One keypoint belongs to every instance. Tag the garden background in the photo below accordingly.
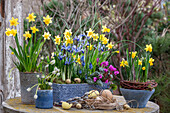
(127, 19)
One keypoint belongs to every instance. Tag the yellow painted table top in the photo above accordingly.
(15, 105)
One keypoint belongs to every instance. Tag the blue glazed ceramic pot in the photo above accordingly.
(141, 97)
(63, 92)
(45, 99)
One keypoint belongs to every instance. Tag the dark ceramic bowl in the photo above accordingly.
(139, 97)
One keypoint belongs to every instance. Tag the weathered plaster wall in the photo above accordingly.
(10, 86)
(17, 9)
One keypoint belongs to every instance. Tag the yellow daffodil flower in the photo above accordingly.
(116, 51)
(140, 62)
(69, 41)
(95, 37)
(8, 32)
(123, 63)
(105, 29)
(57, 39)
(14, 32)
(47, 20)
(34, 29)
(105, 41)
(90, 47)
(78, 60)
(134, 54)
(102, 36)
(13, 21)
(110, 46)
(12, 53)
(27, 35)
(46, 36)
(151, 60)
(90, 33)
(67, 33)
(143, 68)
(31, 17)
(148, 48)
(74, 56)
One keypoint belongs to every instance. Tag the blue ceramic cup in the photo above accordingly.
(45, 99)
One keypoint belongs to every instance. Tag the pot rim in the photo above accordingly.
(45, 90)
(138, 90)
(70, 84)
(78, 84)
(31, 72)
(136, 82)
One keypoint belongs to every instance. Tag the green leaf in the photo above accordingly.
(99, 82)
(90, 81)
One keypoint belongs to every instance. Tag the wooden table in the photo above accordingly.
(14, 105)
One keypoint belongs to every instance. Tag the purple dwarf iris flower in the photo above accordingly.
(94, 79)
(100, 76)
(101, 47)
(112, 68)
(87, 44)
(88, 37)
(97, 60)
(76, 38)
(67, 48)
(77, 50)
(104, 64)
(116, 72)
(82, 50)
(80, 36)
(67, 61)
(90, 66)
(74, 47)
(80, 71)
(107, 81)
(83, 64)
(106, 70)
(82, 58)
(60, 56)
(95, 46)
(86, 76)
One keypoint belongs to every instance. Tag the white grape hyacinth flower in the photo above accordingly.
(46, 66)
(43, 76)
(42, 58)
(54, 72)
(35, 96)
(55, 69)
(52, 62)
(38, 76)
(58, 74)
(29, 89)
(50, 83)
